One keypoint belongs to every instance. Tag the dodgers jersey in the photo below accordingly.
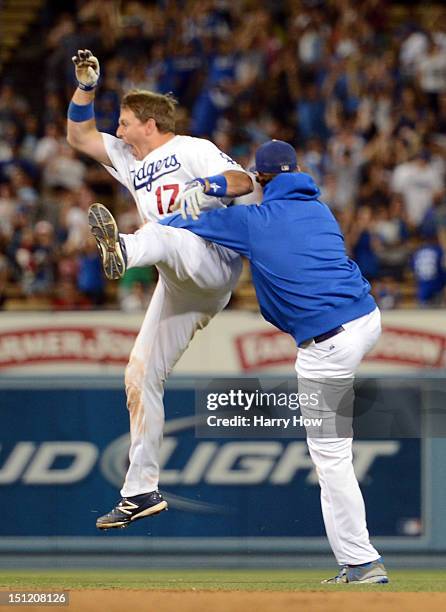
(155, 181)
(305, 283)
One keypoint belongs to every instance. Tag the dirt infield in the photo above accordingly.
(220, 601)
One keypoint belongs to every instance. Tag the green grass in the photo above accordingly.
(222, 580)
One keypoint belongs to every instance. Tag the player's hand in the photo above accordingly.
(189, 201)
(87, 69)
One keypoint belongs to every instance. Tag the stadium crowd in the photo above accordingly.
(358, 88)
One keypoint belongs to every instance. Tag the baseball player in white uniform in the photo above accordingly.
(195, 277)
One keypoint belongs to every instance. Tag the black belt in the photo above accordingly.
(326, 336)
(329, 334)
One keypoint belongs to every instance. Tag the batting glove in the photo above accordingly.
(87, 69)
(189, 201)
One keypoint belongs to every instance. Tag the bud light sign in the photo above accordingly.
(64, 455)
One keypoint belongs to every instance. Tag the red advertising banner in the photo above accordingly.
(233, 343)
(100, 345)
(397, 345)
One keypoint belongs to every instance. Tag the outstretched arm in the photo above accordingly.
(231, 183)
(237, 183)
(82, 133)
(226, 226)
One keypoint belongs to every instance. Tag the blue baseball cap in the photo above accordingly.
(274, 157)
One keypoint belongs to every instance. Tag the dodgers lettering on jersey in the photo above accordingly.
(156, 180)
(152, 171)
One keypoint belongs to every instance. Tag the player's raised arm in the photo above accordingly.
(82, 133)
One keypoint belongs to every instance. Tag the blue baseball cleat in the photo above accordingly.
(132, 509)
(366, 573)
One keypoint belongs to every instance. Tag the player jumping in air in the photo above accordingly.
(158, 167)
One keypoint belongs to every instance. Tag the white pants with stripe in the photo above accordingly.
(195, 283)
(325, 365)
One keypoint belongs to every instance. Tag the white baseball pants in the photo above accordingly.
(331, 365)
(195, 282)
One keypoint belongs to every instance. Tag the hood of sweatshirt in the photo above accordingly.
(291, 186)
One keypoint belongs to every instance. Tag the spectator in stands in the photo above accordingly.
(44, 256)
(419, 182)
(374, 189)
(8, 206)
(363, 243)
(439, 123)
(48, 145)
(412, 50)
(22, 253)
(311, 112)
(65, 169)
(29, 143)
(90, 279)
(429, 272)
(12, 104)
(386, 292)
(24, 189)
(315, 160)
(346, 157)
(53, 110)
(410, 111)
(392, 235)
(432, 73)
(217, 93)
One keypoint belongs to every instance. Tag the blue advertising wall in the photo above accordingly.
(63, 457)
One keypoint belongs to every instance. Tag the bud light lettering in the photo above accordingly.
(150, 172)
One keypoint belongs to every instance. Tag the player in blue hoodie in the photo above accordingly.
(304, 281)
(308, 287)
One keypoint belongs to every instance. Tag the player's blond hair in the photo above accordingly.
(149, 105)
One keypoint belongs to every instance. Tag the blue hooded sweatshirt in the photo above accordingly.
(304, 281)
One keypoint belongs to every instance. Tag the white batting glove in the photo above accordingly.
(189, 201)
(87, 69)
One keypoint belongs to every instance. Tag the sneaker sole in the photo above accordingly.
(371, 580)
(104, 229)
(152, 511)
